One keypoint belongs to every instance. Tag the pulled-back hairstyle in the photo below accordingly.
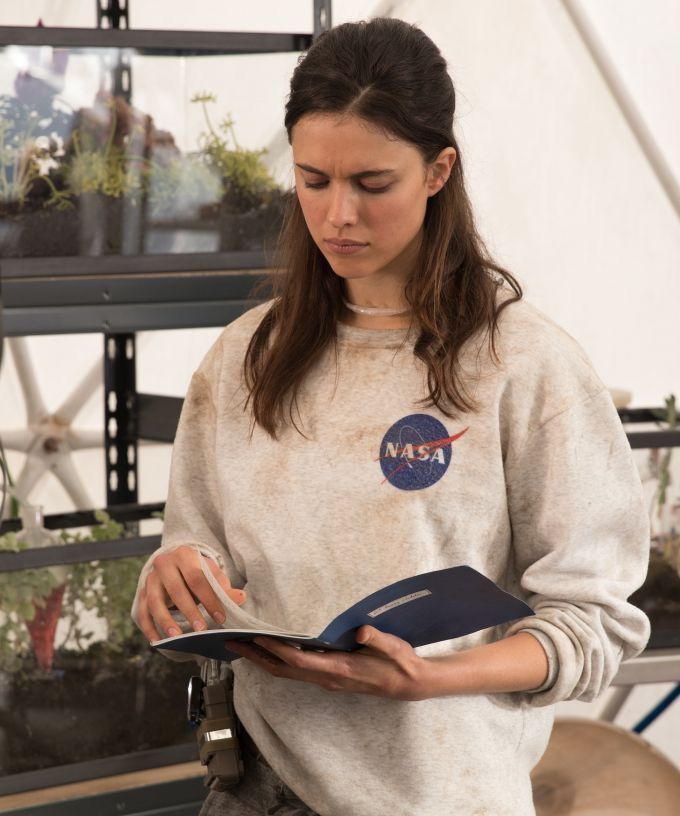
(392, 75)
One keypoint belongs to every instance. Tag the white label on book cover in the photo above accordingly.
(399, 601)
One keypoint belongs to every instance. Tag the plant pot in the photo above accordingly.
(109, 226)
(250, 231)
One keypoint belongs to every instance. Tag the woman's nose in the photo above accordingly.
(342, 209)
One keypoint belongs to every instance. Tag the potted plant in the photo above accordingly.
(31, 146)
(105, 181)
(102, 692)
(251, 202)
(101, 174)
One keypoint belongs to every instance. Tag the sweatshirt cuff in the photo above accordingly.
(550, 653)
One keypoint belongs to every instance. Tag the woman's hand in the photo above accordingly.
(387, 667)
(178, 580)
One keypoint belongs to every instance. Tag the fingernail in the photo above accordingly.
(199, 625)
(239, 595)
(220, 617)
(173, 630)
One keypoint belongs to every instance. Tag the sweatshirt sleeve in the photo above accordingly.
(193, 514)
(581, 545)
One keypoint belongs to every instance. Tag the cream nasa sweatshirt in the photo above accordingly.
(537, 490)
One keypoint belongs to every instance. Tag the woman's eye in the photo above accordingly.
(376, 189)
(319, 185)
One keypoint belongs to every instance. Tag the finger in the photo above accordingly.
(264, 659)
(381, 643)
(322, 664)
(286, 652)
(332, 671)
(145, 621)
(157, 604)
(256, 654)
(262, 656)
(199, 588)
(236, 595)
(188, 560)
(169, 580)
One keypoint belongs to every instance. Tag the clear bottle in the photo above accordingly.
(35, 535)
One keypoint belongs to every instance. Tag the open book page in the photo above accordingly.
(237, 617)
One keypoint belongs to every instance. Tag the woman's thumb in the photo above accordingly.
(238, 596)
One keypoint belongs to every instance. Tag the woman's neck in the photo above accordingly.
(363, 322)
(373, 308)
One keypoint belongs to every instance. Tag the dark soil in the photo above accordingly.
(659, 598)
(84, 710)
(247, 231)
(98, 225)
(46, 233)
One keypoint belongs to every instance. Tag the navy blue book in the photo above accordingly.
(423, 609)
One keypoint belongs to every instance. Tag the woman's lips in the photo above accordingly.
(344, 247)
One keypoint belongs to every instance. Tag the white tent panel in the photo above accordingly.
(563, 194)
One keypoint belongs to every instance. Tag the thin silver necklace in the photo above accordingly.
(372, 311)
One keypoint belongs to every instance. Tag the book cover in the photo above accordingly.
(424, 609)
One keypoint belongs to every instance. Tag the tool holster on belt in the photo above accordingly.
(211, 708)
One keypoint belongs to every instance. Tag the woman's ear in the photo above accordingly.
(439, 170)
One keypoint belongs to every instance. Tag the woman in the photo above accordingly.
(397, 408)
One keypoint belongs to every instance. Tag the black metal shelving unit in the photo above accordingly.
(127, 294)
(122, 294)
(118, 296)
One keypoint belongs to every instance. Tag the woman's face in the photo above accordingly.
(363, 195)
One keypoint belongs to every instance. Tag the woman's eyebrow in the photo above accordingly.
(362, 174)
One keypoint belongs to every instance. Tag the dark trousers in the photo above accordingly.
(259, 793)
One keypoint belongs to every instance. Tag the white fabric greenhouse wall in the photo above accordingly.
(565, 197)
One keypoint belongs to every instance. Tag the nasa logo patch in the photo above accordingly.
(416, 452)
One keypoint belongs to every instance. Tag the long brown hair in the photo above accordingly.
(392, 75)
